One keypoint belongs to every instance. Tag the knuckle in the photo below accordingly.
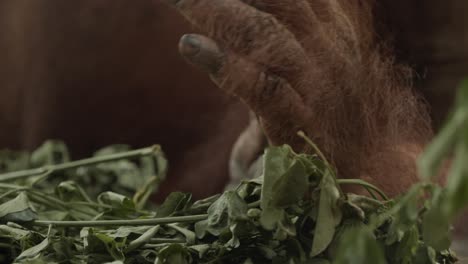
(272, 85)
(266, 87)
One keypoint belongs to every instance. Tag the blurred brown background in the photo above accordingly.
(101, 72)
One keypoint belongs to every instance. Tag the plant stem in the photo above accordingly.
(166, 240)
(78, 163)
(39, 198)
(5, 245)
(8, 193)
(254, 204)
(324, 159)
(365, 185)
(136, 222)
(12, 186)
(91, 204)
(154, 246)
(53, 202)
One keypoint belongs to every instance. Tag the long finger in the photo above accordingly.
(297, 15)
(280, 107)
(253, 34)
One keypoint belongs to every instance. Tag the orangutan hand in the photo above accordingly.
(312, 65)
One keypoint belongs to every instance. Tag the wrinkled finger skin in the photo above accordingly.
(263, 93)
(252, 33)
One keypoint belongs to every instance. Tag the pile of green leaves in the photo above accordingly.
(53, 210)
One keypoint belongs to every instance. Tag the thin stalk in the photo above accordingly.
(41, 199)
(49, 198)
(12, 186)
(254, 204)
(91, 204)
(8, 193)
(136, 222)
(54, 202)
(140, 241)
(365, 185)
(11, 176)
(166, 240)
(324, 159)
(154, 246)
(371, 192)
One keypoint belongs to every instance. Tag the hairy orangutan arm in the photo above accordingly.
(316, 66)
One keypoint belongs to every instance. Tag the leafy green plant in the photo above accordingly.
(53, 210)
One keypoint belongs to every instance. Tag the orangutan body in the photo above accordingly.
(320, 67)
(324, 73)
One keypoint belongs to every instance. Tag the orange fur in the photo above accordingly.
(337, 80)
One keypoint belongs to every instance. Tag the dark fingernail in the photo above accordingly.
(201, 51)
(189, 45)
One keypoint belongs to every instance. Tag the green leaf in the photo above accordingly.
(189, 235)
(175, 202)
(71, 191)
(127, 173)
(49, 153)
(155, 165)
(200, 249)
(358, 245)
(114, 247)
(174, 254)
(201, 228)
(403, 214)
(116, 200)
(92, 244)
(270, 217)
(125, 231)
(53, 215)
(227, 210)
(425, 255)
(436, 223)
(404, 249)
(291, 187)
(436, 230)
(201, 206)
(112, 149)
(329, 215)
(281, 173)
(63, 248)
(276, 163)
(15, 233)
(13, 160)
(34, 251)
(457, 183)
(432, 158)
(18, 210)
